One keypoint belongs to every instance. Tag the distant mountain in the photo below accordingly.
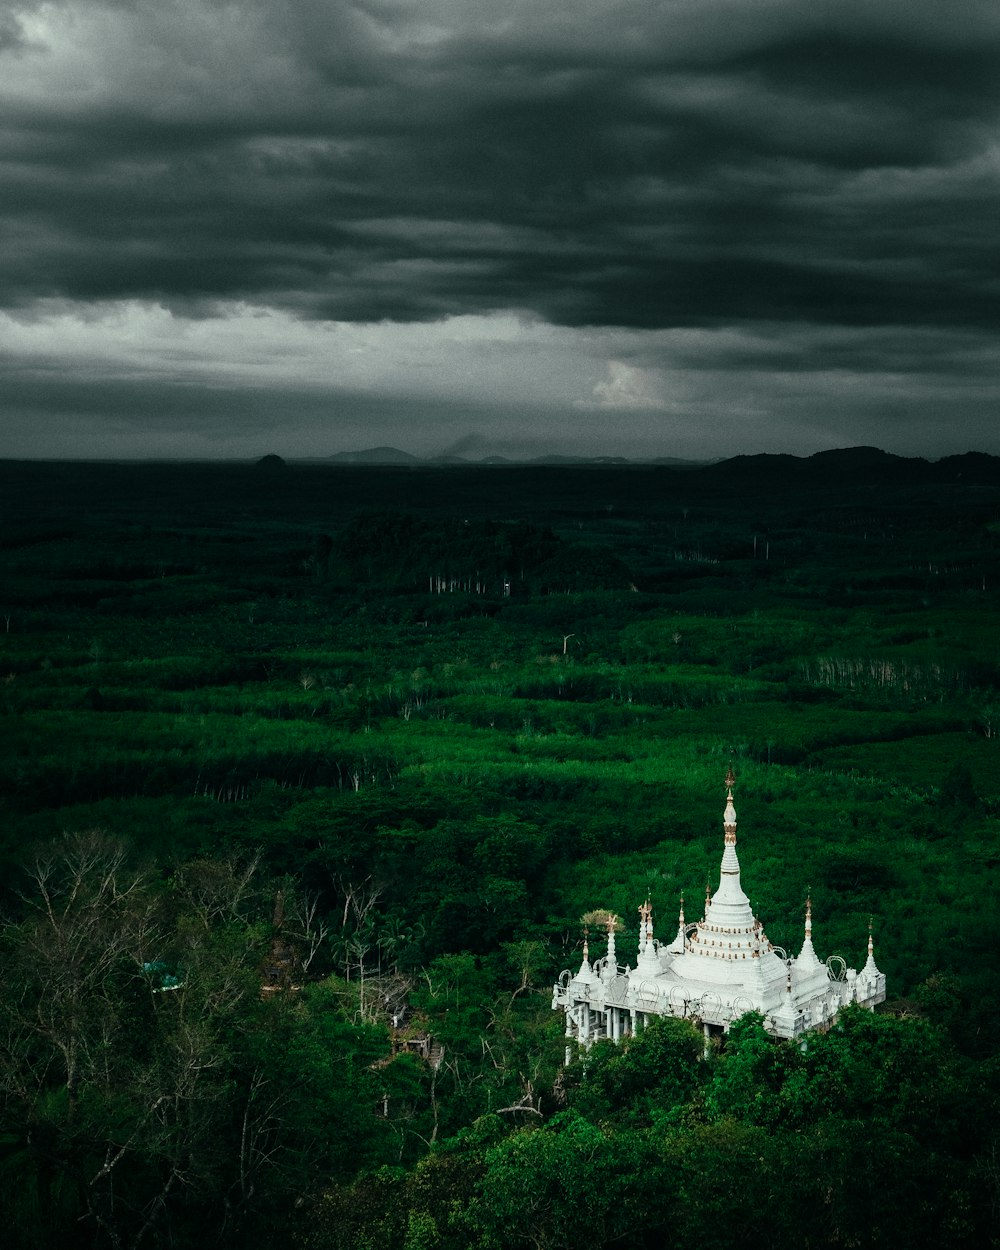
(971, 468)
(839, 466)
(856, 457)
(675, 462)
(849, 463)
(555, 459)
(375, 455)
(846, 466)
(762, 465)
(393, 455)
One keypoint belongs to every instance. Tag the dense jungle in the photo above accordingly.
(310, 773)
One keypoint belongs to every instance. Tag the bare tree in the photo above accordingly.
(111, 1067)
(87, 915)
(305, 925)
(220, 889)
(357, 936)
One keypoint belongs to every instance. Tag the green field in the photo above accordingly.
(446, 712)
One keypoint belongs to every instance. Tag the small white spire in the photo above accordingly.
(787, 1016)
(807, 957)
(870, 967)
(730, 906)
(729, 816)
(677, 946)
(586, 972)
(611, 963)
(730, 864)
(647, 963)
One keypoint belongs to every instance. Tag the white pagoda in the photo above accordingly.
(713, 971)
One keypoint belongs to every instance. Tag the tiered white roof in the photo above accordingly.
(715, 970)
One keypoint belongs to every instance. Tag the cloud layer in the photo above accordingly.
(779, 211)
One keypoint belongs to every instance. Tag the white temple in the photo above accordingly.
(713, 971)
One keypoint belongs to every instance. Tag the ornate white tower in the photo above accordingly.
(716, 970)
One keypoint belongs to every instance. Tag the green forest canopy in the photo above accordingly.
(444, 713)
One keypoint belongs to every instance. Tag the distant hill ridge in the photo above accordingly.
(375, 455)
(860, 464)
(849, 464)
(395, 455)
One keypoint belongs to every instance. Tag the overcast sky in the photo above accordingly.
(691, 228)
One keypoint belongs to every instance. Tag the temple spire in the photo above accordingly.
(870, 967)
(786, 1013)
(729, 819)
(677, 945)
(807, 956)
(730, 907)
(647, 963)
(730, 864)
(586, 972)
(611, 963)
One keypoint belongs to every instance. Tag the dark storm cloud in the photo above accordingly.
(619, 164)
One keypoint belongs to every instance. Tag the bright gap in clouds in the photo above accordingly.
(136, 379)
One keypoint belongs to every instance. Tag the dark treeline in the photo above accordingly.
(308, 777)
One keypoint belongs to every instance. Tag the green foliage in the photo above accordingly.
(140, 1106)
(567, 1183)
(644, 1079)
(322, 676)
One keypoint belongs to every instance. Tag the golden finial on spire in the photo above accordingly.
(729, 818)
(809, 913)
(871, 945)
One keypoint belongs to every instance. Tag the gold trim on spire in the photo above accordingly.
(729, 817)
